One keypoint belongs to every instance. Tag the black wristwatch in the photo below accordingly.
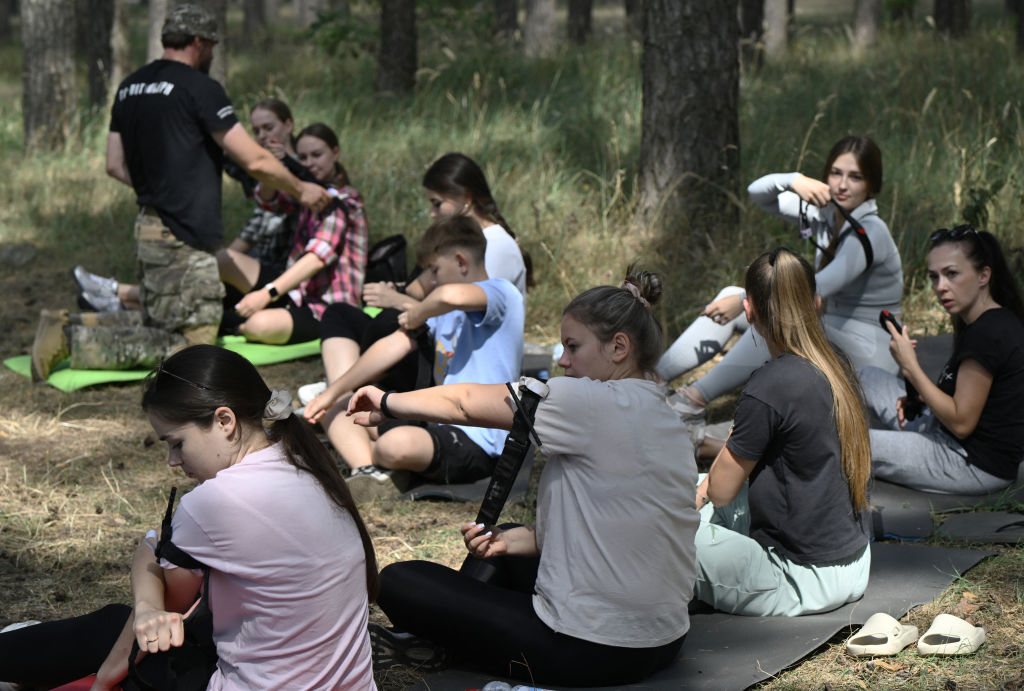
(272, 289)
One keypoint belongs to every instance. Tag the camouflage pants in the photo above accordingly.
(118, 340)
(180, 287)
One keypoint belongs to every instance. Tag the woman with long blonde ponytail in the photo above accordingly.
(801, 439)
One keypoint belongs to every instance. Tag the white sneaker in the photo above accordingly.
(92, 283)
(99, 302)
(310, 391)
(371, 482)
(19, 625)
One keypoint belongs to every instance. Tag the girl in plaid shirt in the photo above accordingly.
(327, 258)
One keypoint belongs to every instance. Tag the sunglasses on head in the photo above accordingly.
(952, 233)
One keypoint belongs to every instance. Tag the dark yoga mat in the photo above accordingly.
(473, 491)
(996, 527)
(724, 652)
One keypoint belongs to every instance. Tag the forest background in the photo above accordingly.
(559, 136)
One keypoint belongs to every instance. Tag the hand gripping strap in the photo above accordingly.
(517, 445)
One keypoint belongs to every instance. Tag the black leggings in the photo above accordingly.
(493, 628)
(60, 652)
(341, 320)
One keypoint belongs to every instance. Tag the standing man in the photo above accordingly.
(170, 127)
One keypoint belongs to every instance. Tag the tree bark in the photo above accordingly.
(396, 63)
(953, 17)
(219, 68)
(634, 17)
(866, 16)
(539, 28)
(307, 11)
(120, 55)
(99, 21)
(6, 8)
(776, 29)
(254, 19)
(48, 72)
(689, 144)
(1016, 8)
(579, 25)
(156, 16)
(751, 30)
(506, 18)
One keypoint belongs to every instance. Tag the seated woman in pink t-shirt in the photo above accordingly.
(291, 567)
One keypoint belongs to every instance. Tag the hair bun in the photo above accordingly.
(644, 285)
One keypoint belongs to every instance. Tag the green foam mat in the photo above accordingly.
(65, 378)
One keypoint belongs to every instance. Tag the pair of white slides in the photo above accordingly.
(883, 635)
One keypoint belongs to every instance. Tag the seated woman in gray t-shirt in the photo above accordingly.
(597, 592)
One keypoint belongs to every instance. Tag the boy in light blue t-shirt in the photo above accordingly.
(476, 325)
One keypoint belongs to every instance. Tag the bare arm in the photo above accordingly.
(725, 479)
(151, 592)
(240, 245)
(265, 167)
(467, 297)
(961, 411)
(480, 405)
(370, 366)
(307, 265)
(117, 167)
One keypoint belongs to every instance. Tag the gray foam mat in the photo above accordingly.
(724, 652)
(996, 527)
(891, 497)
(473, 491)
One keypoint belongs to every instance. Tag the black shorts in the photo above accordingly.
(457, 459)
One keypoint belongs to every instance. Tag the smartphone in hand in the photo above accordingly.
(913, 405)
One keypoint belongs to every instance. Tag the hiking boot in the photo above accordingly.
(91, 283)
(99, 302)
(371, 482)
(51, 343)
(310, 391)
(391, 648)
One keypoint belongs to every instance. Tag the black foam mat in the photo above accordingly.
(891, 497)
(473, 491)
(724, 652)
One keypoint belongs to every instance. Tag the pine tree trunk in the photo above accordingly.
(254, 19)
(634, 17)
(506, 18)
(689, 146)
(776, 29)
(866, 16)
(99, 20)
(6, 9)
(157, 14)
(579, 26)
(219, 67)
(539, 28)
(396, 63)
(307, 11)
(48, 72)
(953, 17)
(751, 30)
(120, 56)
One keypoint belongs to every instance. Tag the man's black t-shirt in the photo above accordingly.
(165, 113)
(996, 341)
(799, 501)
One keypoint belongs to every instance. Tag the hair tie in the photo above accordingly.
(279, 407)
(635, 292)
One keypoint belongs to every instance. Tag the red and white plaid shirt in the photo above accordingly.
(339, 237)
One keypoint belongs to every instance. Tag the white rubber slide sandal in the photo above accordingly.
(949, 635)
(881, 635)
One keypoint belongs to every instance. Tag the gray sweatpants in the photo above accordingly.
(923, 455)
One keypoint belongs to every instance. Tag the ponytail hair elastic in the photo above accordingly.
(279, 407)
(635, 292)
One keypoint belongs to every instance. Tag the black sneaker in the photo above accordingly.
(392, 648)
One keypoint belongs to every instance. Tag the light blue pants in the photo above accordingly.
(923, 455)
(702, 340)
(736, 574)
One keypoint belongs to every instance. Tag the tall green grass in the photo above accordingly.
(559, 141)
